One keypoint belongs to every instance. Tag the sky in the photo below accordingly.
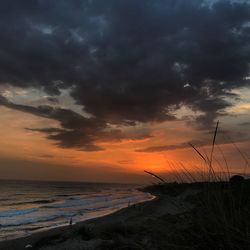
(94, 90)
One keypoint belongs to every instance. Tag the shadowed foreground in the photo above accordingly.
(183, 216)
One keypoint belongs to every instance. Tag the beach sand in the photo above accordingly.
(182, 216)
(100, 233)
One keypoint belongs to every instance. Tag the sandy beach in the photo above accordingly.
(175, 219)
(79, 235)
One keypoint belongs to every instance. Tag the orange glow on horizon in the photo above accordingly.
(120, 157)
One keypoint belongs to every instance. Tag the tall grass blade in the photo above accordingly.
(197, 151)
(156, 176)
(212, 151)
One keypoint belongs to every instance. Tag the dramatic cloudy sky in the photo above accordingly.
(101, 90)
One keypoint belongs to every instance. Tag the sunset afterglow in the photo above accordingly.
(102, 92)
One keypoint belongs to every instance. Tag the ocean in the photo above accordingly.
(31, 206)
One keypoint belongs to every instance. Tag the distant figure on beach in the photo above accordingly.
(70, 221)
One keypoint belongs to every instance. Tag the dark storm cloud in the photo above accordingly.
(52, 99)
(128, 61)
(77, 131)
(212, 108)
(228, 137)
(182, 145)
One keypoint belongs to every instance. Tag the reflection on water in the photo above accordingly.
(27, 206)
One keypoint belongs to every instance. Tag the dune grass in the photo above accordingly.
(220, 218)
(214, 215)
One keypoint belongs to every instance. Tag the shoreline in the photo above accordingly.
(169, 221)
(19, 242)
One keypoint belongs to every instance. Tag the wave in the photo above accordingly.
(37, 219)
(42, 201)
(75, 203)
(89, 197)
(12, 213)
(67, 195)
(129, 200)
(5, 199)
(90, 201)
(32, 202)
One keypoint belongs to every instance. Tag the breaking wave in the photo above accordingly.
(12, 213)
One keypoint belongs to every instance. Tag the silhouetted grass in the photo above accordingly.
(220, 218)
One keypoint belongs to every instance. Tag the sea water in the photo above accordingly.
(30, 206)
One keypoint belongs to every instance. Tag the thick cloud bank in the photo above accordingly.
(126, 61)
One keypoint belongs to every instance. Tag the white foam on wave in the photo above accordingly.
(94, 201)
(80, 206)
(33, 220)
(87, 197)
(11, 213)
(75, 203)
